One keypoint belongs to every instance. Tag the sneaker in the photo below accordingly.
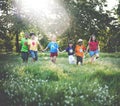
(97, 57)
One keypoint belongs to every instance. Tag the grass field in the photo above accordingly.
(46, 84)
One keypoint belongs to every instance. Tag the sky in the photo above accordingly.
(111, 4)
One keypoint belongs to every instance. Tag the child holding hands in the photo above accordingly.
(53, 46)
(79, 51)
(93, 46)
(70, 51)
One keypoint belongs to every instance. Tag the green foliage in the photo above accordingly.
(86, 17)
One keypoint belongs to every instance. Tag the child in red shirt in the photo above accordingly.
(93, 46)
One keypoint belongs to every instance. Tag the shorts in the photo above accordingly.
(71, 59)
(79, 59)
(34, 54)
(92, 53)
(53, 54)
(24, 56)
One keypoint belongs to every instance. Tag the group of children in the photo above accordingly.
(31, 46)
(80, 50)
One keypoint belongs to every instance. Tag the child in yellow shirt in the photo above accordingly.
(33, 47)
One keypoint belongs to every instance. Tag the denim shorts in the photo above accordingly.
(92, 53)
(34, 54)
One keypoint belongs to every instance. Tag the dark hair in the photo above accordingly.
(26, 33)
(92, 37)
(32, 33)
(70, 42)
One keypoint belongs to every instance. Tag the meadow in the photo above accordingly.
(46, 84)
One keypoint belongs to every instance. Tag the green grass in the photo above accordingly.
(46, 84)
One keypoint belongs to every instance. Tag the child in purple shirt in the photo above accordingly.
(70, 51)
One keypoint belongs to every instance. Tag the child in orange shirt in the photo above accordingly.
(79, 51)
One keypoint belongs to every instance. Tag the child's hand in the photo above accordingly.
(99, 49)
(86, 52)
(59, 52)
(43, 50)
(63, 51)
(74, 54)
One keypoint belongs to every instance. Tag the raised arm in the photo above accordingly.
(98, 47)
(89, 39)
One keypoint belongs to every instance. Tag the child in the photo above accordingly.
(53, 46)
(79, 51)
(93, 46)
(70, 51)
(33, 47)
(24, 48)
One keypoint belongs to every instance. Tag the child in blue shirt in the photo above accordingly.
(53, 46)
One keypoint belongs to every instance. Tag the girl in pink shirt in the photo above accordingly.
(93, 46)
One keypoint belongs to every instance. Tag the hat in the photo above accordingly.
(80, 40)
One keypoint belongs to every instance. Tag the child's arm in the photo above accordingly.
(87, 49)
(40, 47)
(58, 50)
(75, 51)
(98, 47)
(84, 48)
(89, 39)
(45, 49)
(63, 51)
(88, 45)
(28, 45)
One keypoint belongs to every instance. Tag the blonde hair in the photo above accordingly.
(53, 37)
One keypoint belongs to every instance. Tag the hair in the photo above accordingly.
(26, 33)
(80, 43)
(54, 36)
(92, 37)
(32, 33)
(70, 42)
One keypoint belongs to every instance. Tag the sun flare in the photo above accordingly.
(49, 15)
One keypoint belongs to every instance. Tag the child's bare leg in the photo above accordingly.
(97, 56)
(51, 58)
(92, 59)
(33, 59)
(54, 59)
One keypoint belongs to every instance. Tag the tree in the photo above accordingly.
(89, 17)
(5, 24)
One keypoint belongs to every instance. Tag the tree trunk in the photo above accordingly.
(17, 43)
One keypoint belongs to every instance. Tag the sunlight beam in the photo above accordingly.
(48, 14)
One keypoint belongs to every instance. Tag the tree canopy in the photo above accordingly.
(84, 18)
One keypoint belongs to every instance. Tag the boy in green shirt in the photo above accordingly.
(24, 48)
